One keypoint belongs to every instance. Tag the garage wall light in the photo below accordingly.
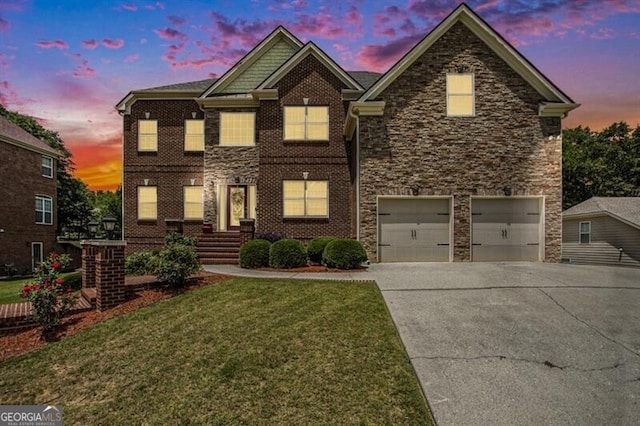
(415, 190)
(507, 190)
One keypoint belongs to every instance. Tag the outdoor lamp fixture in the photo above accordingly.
(507, 190)
(460, 69)
(415, 190)
(109, 223)
(305, 175)
(93, 228)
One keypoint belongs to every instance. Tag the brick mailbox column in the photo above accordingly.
(88, 264)
(110, 288)
(247, 230)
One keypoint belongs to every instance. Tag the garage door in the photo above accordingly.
(505, 229)
(413, 230)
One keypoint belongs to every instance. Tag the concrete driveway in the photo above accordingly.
(520, 343)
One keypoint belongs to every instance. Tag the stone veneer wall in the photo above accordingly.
(505, 145)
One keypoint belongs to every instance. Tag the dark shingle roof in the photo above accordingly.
(14, 133)
(189, 86)
(627, 208)
(365, 78)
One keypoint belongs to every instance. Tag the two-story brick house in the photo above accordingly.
(27, 199)
(453, 154)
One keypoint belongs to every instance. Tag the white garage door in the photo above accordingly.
(505, 229)
(413, 230)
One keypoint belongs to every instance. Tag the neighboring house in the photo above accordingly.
(28, 199)
(454, 154)
(602, 230)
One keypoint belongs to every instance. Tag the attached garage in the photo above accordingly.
(506, 229)
(414, 229)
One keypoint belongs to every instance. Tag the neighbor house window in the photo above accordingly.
(193, 208)
(44, 210)
(47, 166)
(306, 123)
(585, 232)
(460, 95)
(237, 129)
(194, 135)
(147, 202)
(305, 198)
(147, 135)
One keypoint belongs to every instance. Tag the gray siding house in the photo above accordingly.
(602, 230)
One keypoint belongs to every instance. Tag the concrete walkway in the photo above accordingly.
(514, 343)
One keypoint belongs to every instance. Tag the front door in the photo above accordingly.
(236, 206)
(36, 255)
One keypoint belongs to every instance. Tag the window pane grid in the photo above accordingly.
(237, 129)
(147, 135)
(194, 135)
(147, 202)
(47, 166)
(193, 199)
(309, 123)
(44, 210)
(460, 95)
(585, 232)
(305, 198)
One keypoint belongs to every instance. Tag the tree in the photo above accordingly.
(74, 208)
(605, 163)
(108, 203)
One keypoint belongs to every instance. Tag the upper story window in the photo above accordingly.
(193, 207)
(147, 203)
(194, 135)
(44, 210)
(306, 123)
(460, 95)
(47, 166)
(237, 129)
(585, 232)
(148, 135)
(305, 198)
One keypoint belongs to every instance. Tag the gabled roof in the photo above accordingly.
(497, 43)
(15, 135)
(189, 86)
(365, 78)
(280, 34)
(626, 209)
(310, 49)
(187, 90)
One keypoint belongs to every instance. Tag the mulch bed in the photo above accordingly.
(31, 339)
(313, 268)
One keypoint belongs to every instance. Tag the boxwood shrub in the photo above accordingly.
(287, 253)
(254, 254)
(344, 253)
(315, 248)
(140, 263)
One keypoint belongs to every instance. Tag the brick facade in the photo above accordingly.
(505, 144)
(22, 176)
(170, 169)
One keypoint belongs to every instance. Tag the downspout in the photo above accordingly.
(357, 146)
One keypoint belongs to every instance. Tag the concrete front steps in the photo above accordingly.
(219, 248)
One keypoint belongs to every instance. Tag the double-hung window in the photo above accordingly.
(306, 123)
(585, 232)
(237, 128)
(194, 135)
(44, 210)
(193, 208)
(305, 198)
(147, 203)
(460, 95)
(147, 135)
(47, 166)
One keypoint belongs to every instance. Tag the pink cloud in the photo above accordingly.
(7, 95)
(89, 44)
(197, 64)
(131, 58)
(113, 44)
(49, 44)
(170, 34)
(130, 7)
(602, 34)
(380, 57)
(4, 24)
(176, 20)
(84, 71)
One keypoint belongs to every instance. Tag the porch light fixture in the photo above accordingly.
(93, 228)
(461, 69)
(193, 114)
(193, 182)
(305, 101)
(415, 190)
(147, 115)
(109, 224)
(305, 175)
(507, 190)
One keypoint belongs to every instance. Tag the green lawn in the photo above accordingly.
(10, 289)
(243, 351)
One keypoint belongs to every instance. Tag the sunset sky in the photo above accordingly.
(68, 63)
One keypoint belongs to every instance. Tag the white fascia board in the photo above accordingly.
(555, 109)
(358, 109)
(228, 102)
(265, 94)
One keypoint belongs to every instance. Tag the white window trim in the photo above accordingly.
(50, 175)
(473, 95)
(184, 202)
(44, 199)
(220, 128)
(138, 204)
(139, 133)
(305, 216)
(306, 130)
(580, 233)
(187, 134)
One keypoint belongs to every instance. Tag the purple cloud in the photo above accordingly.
(170, 34)
(50, 44)
(176, 20)
(131, 58)
(89, 44)
(113, 44)
(4, 25)
(380, 57)
(130, 7)
(84, 71)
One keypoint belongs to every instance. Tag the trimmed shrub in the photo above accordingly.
(140, 263)
(176, 263)
(315, 248)
(178, 238)
(255, 254)
(344, 253)
(287, 253)
(272, 237)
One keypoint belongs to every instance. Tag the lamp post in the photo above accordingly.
(109, 223)
(93, 228)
